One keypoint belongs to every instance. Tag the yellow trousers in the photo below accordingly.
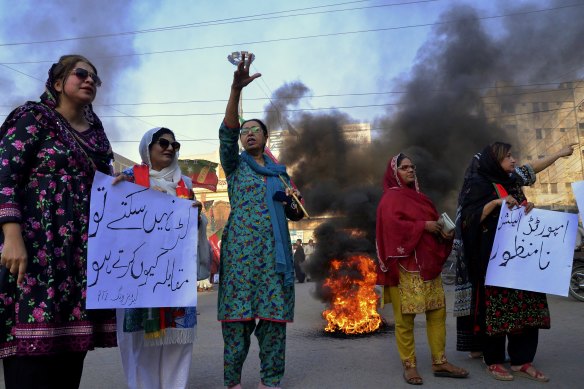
(404, 332)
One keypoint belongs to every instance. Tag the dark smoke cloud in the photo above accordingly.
(37, 21)
(441, 121)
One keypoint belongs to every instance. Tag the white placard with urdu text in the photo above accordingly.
(142, 247)
(534, 251)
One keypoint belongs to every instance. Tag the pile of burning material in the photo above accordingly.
(353, 306)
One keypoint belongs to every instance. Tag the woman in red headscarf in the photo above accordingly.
(412, 249)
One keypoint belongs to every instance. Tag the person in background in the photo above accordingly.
(412, 249)
(256, 282)
(464, 308)
(309, 251)
(50, 151)
(501, 314)
(299, 258)
(156, 344)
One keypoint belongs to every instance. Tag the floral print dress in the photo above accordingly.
(44, 188)
(249, 286)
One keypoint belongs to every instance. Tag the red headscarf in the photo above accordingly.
(401, 239)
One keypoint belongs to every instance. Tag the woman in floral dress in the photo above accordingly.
(49, 153)
(256, 275)
(501, 313)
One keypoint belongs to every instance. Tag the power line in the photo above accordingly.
(313, 36)
(232, 20)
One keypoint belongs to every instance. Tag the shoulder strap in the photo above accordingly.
(501, 191)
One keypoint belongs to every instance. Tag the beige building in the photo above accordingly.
(544, 120)
(121, 163)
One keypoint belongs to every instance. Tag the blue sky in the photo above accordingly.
(194, 67)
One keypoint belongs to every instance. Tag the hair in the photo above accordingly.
(500, 150)
(262, 125)
(61, 70)
(299, 240)
(158, 134)
(401, 157)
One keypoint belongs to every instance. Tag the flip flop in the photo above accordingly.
(451, 374)
(415, 380)
(537, 375)
(456, 372)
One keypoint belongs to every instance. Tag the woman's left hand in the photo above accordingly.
(290, 191)
(528, 207)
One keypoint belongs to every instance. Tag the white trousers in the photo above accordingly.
(152, 367)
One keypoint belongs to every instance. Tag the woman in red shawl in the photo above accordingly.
(412, 249)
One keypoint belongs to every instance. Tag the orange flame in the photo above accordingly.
(353, 309)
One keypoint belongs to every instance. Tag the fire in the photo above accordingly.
(353, 309)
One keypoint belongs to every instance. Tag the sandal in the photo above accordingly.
(413, 380)
(528, 371)
(498, 372)
(448, 370)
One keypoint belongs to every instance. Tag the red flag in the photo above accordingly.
(202, 172)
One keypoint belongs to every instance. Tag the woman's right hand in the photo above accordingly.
(433, 227)
(510, 200)
(14, 256)
(241, 77)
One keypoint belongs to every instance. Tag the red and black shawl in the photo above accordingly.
(401, 238)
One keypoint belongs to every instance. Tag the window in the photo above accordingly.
(562, 129)
(508, 108)
(538, 134)
(535, 107)
(568, 185)
(581, 125)
(544, 188)
(554, 187)
(544, 106)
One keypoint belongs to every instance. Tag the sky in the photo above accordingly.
(164, 63)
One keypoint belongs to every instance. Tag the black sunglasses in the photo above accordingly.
(164, 143)
(82, 74)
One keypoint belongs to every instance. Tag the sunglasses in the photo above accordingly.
(407, 167)
(247, 130)
(82, 74)
(164, 143)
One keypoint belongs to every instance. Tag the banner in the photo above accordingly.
(534, 251)
(141, 249)
(203, 173)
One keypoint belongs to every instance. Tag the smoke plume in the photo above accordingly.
(441, 121)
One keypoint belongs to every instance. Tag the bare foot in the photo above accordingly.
(238, 386)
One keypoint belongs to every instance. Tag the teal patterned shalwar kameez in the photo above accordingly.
(250, 288)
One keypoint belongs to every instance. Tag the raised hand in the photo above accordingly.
(567, 150)
(241, 77)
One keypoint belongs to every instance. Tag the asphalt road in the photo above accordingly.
(317, 360)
